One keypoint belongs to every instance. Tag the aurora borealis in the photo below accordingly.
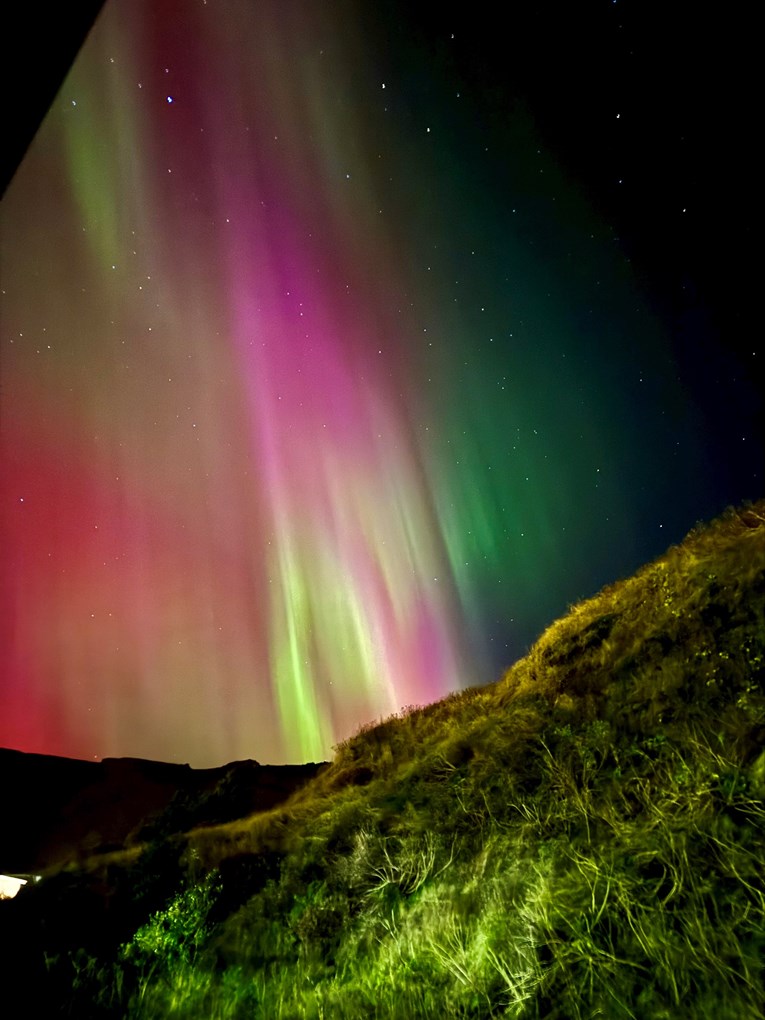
(324, 389)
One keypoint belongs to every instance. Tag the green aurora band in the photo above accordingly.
(295, 432)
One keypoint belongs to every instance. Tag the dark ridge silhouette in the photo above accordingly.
(57, 810)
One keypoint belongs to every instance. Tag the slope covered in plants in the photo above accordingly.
(584, 837)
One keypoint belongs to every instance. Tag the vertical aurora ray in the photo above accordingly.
(266, 473)
(353, 573)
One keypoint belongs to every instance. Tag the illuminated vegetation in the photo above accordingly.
(583, 838)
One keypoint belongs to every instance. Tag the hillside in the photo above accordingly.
(582, 838)
(83, 808)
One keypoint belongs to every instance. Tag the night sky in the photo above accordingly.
(345, 345)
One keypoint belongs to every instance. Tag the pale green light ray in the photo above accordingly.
(303, 725)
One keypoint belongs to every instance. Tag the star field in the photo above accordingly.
(343, 349)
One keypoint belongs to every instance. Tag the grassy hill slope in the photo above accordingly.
(583, 838)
